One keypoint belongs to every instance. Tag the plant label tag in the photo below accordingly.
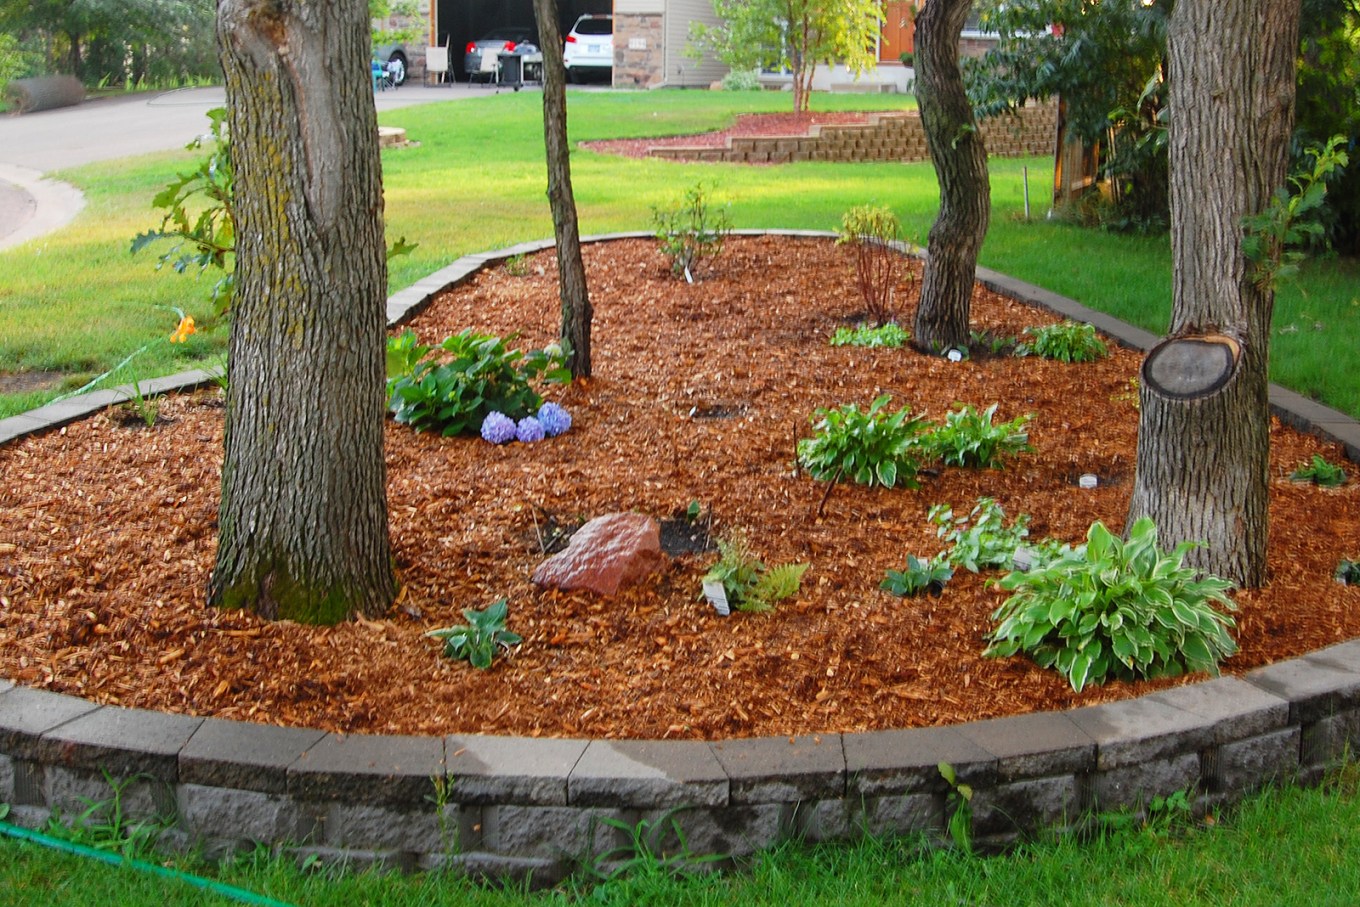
(717, 597)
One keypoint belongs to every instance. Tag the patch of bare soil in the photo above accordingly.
(749, 124)
(107, 531)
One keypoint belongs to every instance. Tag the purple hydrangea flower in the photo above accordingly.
(530, 429)
(498, 428)
(555, 419)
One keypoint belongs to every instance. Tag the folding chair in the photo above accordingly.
(490, 68)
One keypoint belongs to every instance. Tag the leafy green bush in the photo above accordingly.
(1320, 472)
(920, 576)
(871, 230)
(968, 438)
(1114, 608)
(872, 448)
(691, 230)
(481, 375)
(890, 335)
(1067, 341)
(741, 80)
(749, 584)
(980, 539)
(477, 641)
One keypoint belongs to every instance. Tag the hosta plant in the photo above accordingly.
(478, 640)
(968, 438)
(749, 584)
(871, 447)
(981, 539)
(1115, 609)
(920, 575)
(1067, 341)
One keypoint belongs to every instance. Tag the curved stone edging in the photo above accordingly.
(517, 807)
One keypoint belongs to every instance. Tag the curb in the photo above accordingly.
(536, 809)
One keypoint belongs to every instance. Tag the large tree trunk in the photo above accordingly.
(1203, 454)
(960, 161)
(303, 522)
(571, 271)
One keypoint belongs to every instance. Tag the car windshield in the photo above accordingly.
(595, 27)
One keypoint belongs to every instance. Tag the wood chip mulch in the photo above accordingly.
(107, 531)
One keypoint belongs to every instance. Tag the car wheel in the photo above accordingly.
(400, 78)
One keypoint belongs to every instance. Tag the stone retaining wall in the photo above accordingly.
(885, 137)
(519, 807)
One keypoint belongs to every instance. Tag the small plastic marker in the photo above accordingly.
(1088, 481)
(955, 356)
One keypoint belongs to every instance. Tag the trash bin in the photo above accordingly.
(512, 71)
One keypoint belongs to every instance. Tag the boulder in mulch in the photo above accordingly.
(605, 555)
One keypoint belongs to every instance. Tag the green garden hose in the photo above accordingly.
(80, 850)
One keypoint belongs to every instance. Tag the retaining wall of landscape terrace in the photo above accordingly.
(517, 807)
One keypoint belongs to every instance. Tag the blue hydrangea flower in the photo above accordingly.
(529, 429)
(498, 428)
(555, 419)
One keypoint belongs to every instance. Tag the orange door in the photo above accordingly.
(898, 31)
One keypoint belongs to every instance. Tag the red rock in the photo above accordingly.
(604, 555)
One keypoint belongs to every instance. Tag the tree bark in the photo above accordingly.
(960, 160)
(303, 521)
(1203, 461)
(571, 270)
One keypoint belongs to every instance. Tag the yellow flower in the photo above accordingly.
(186, 327)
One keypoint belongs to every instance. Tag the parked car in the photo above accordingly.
(499, 41)
(589, 48)
(394, 60)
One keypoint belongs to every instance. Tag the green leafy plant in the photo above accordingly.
(472, 376)
(105, 824)
(1270, 240)
(872, 447)
(968, 438)
(517, 265)
(1348, 572)
(749, 584)
(890, 335)
(996, 344)
(742, 80)
(146, 407)
(960, 823)
(1115, 608)
(1320, 472)
(1066, 341)
(691, 230)
(920, 576)
(981, 539)
(643, 852)
(872, 231)
(478, 640)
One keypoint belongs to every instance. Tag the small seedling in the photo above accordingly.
(517, 265)
(920, 576)
(1348, 572)
(477, 641)
(1320, 472)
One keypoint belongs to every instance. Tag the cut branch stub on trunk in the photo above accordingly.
(1191, 367)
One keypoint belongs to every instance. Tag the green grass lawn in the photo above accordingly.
(78, 302)
(1284, 847)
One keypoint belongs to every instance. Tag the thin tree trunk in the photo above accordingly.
(571, 270)
(960, 161)
(1203, 462)
(303, 521)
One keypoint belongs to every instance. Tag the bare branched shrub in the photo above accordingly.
(872, 231)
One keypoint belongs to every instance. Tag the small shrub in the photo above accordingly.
(969, 439)
(691, 230)
(749, 584)
(890, 335)
(920, 576)
(872, 448)
(742, 80)
(517, 265)
(1320, 472)
(481, 375)
(981, 539)
(1067, 341)
(1114, 608)
(995, 344)
(477, 641)
(870, 230)
(1348, 572)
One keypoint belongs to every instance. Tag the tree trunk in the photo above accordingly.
(1203, 458)
(303, 521)
(571, 270)
(960, 161)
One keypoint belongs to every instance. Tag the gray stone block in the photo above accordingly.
(355, 861)
(1325, 742)
(122, 742)
(900, 815)
(553, 832)
(1035, 745)
(1140, 730)
(647, 774)
(1249, 764)
(29, 787)
(1026, 806)
(243, 815)
(901, 762)
(484, 769)
(1344, 656)
(824, 820)
(1234, 708)
(1314, 689)
(533, 873)
(29, 816)
(358, 826)
(1134, 785)
(19, 426)
(26, 714)
(783, 769)
(5, 686)
(720, 831)
(380, 770)
(242, 755)
(6, 779)
(74, 792)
